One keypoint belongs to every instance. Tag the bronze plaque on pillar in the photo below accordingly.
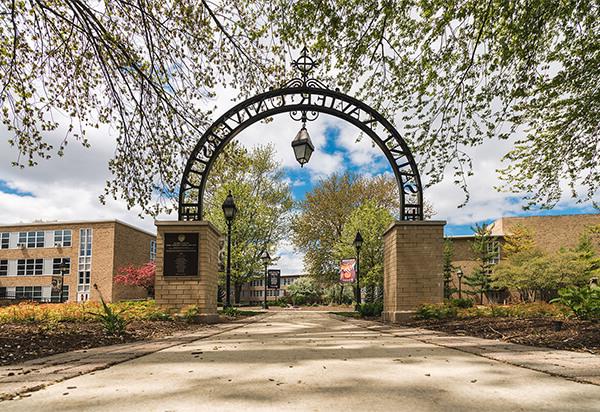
(181, 254)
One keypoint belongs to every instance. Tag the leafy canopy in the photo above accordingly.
(449, 73)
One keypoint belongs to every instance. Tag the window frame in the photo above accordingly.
(56, 265)
(4, 240)
(60, 236)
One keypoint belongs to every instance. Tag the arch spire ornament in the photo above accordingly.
(303, 98)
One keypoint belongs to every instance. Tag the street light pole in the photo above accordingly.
(229, 210)
(228, 273)
(63, 269)
(266, 258)
(459, 274)
(358, 241)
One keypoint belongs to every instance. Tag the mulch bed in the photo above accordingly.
(576, 335)
(20, 341)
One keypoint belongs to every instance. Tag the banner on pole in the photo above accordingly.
(348, 270)
(273, 278)
(56, 283)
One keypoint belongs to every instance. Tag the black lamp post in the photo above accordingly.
(303, 146)
(358, 241)
(63, 268)
(266, 258)
(459, 274)
(229, 210)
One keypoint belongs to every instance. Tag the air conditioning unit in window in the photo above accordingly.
(58, 244)
(21, 245)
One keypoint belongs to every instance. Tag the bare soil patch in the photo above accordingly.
(575, 335)
(20, 342)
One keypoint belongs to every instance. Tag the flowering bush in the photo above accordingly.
(78, 312)
(142, 276)
(522, 310)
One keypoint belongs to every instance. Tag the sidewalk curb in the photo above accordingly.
(19, 379)
(574, 366)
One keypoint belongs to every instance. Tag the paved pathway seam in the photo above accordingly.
(19, 379)
(575, 366)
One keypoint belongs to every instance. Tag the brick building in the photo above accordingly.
(550, 234)
(253, 292)
(31, 254)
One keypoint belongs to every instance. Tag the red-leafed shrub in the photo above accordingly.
(142, 276)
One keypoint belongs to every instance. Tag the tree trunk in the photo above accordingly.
(237, 292)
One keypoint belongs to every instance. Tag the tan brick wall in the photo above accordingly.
(550, 233)
(46, 252)
(105, 235)
(553, 232)
(102, 260)
(412, 267)
(175, 293)
(132, 247)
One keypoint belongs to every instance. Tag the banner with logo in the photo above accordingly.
(348, 270)
(273, 278)
(56, 283)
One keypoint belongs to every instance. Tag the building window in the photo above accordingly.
(28, 292)
(29, 267)
(493, 250)
(56, 265)
(3, 292)
(153, 250)
(62, 238)
(31, 239)
(4, 240)
(3, 267)
(85, 242)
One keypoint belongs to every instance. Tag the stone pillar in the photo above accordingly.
(176, 292)
(412, 267)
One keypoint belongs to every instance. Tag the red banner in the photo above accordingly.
(348, 270)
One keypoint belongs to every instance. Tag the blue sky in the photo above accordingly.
(332, 146)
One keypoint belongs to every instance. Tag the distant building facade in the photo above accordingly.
(31, 255)
(252, 293)
(550, 233)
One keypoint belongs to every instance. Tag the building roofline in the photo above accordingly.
(76, 222)
(470, 236)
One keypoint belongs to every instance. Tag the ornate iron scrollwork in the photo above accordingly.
(303, 98)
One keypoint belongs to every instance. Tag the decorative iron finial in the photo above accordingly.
(304, 64)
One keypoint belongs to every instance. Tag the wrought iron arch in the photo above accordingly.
(304, 98)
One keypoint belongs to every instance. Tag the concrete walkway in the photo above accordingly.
(312, 361)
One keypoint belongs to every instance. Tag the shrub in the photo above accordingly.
(190, 313)
(231, 312)
(462, 303)
(112, 321)
(436, 311)
(584, 302)
(370, 309)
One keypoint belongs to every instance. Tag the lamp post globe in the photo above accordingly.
(358, 242)
(266, 258)
(229, 211)
(229, 207)
(303, 146)
(459, 275)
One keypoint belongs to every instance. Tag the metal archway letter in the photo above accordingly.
(300, 95)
